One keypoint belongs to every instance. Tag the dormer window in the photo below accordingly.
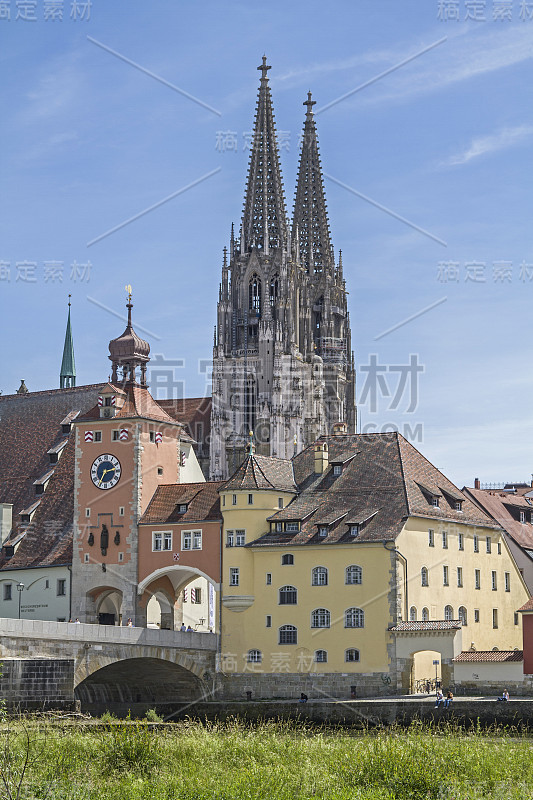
(292, 527)
(435, 502)
(458, 505)
(322, 531)
(354, 530)
(337, 469)
(279, 527)
(182, 508)
(522, 516)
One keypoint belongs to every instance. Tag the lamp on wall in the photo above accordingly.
(20, 589)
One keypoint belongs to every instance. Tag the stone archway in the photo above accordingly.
(166, 586)
(104, 605)
(440, 636)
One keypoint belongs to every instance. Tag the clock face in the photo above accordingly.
(105, 471)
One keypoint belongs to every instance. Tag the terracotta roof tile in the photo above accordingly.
(498, 504)
(431, 625)
(527, 606)
(263, 472)
(202, 500)
(493, 656)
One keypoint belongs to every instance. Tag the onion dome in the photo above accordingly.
(127, 352)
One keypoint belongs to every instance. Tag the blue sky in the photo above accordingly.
(428, 165)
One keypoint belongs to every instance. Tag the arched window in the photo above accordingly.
(448, 612)
(254, 656)
(319, 576)
(320, 618)
(424, 576)
(354, 574)
(351, 655)
(288, 596)
(321, 656)
(254, 295)
(274, 289)
(462, 615)
(288, 634)
(425, 615)
(412, 614)
(287, 559)
(354, 618)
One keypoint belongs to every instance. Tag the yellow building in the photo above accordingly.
(357, 564)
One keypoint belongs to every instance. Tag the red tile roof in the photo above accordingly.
(497, 504)
(527, 606)
(431, 625)
(202, 500)
(493, 656)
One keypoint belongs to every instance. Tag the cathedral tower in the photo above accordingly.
(282, 364)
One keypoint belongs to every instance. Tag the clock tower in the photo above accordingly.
(126, 446)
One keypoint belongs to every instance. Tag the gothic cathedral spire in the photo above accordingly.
(264, 222)
(310, 213)
(281, 358)
(67, 376)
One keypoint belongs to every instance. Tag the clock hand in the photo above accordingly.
(102, 478)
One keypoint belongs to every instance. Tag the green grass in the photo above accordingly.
(285, 761)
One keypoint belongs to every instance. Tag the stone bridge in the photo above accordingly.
(53, 663)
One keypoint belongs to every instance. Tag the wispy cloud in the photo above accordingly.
(483, 145)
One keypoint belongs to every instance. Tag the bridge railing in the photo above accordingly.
(84, 632)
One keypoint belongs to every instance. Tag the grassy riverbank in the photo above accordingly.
(270, 761)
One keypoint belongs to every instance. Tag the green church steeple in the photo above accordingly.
(67, 377)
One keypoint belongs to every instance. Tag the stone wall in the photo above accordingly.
(265, 686)
(37, 683)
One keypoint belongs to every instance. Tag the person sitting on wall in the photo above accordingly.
(303, 698)
(183, 628)
(505, 696)
(189, 629)
(439, 699)
(449, 699)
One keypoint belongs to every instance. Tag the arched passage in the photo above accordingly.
(138, 683)
(106, 605)
(167, 587)
(425, 673)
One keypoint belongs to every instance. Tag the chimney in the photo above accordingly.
(321, 458)
(6, 520)
(477, 484)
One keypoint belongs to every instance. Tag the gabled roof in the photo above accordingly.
(202, 500)
(138, 403)
(263, 472)
(496, 503)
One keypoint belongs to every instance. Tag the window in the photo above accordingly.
(476, 615)
(425, 615)
(288, 596)
(320, 618)
(458, 505)
(477, 579)
(121, 556)
(162, 540)
(424, 576)
(292, 527)
(431, 538)
(268, 621)
(461, 539)
(321, 657)
(151, 436)
(354, 530)
(287, 559)
(121, 511)
(196, 595)
(234, 576)
(233, 499)
(8, 591)
(507, 581)
(322, 531)
(448, 612)
(87, 512)
(445, 576)
(435, 502)
(160, 471)
(476, 544)
(462, 616)
(191, 540)
(354, 618)
(354, 575)
(269, 579)
(499, 548)
(445, 540)
(522, 516)
(494, 617)
(494, 580)
(288, 634)
(61, 587)
(254, 656)
(230, 538)
(280, 502)
(412, 614)
(223, 499)
(97, 436)
(250, 499)
(516, 617)
(47, 584)
(351, 655)
(240, 537)
(319, 576)
(86, 558)
(488, 544)
(115, 436)
(279, 527)
(459, 576)
(337, 469)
